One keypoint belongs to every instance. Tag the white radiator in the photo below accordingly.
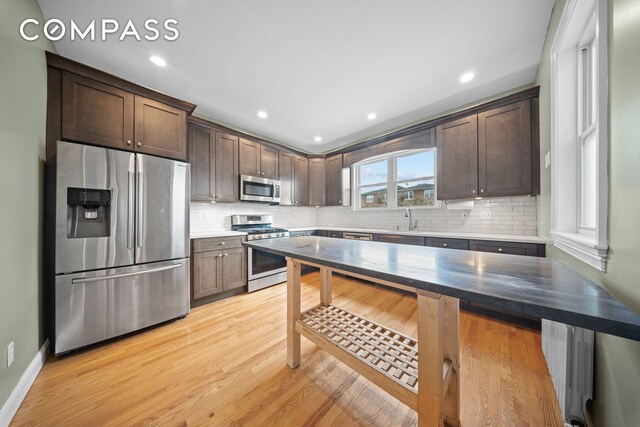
(569, 354)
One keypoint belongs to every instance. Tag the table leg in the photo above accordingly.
(430, 359)
(451, 407)
(293, 312)
(325, 286)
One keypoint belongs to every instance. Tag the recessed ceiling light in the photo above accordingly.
(262, 114)
(371, 116)
(158, 61)
(466, 77)
(318, 139)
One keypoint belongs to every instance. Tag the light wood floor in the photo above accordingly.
(225, 364)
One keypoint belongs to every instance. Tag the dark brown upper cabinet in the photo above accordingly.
(457, 154)
(101, 114)
(301, 181)
(333, 180)
(96, 113)
(160, 129)
(258, 159)
(269, 162)
(227, 178)
(214, 165)
(490, 154)
(202, 156)
(286, 172)
(504, 150)
(316, 182)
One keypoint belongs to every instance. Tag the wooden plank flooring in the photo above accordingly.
(225, 364)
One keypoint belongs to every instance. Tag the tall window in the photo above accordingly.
(397, 180)
(579, 132)
(587, 136)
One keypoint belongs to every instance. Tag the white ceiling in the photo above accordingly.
(319, 67)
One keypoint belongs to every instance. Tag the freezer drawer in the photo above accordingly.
(98, 305)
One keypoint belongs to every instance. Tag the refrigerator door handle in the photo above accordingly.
(130, 212)
(139, 197)
(121, 275)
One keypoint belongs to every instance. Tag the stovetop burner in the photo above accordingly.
(257, 227)
(259, 230)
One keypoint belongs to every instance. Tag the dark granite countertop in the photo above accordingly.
(541, 287)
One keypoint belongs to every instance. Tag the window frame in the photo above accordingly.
(392, 182)
(583, 24)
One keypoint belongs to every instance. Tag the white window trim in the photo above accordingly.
(391, 172)
(592, 249)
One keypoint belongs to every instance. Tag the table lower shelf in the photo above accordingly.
(386, 357)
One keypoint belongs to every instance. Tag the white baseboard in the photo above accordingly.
(18, 394)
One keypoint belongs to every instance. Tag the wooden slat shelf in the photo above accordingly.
(430, 385)
(370, 347)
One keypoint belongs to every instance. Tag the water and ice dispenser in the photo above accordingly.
(88, 213)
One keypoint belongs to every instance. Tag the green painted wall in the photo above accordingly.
(617, 361)
(23, 95)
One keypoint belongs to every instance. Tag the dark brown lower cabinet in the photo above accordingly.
(511, 248)
(446, 243)
(233, 269)
(217, 265)
(399, 239)
(206, 279)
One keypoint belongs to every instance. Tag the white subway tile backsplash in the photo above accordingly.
(207, 217)
(509, 215)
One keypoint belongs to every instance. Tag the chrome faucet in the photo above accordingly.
(412, 225)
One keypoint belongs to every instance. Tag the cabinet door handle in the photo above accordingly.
(226, 254)
(128, 142)
(139, 144)
(445, 245)
(222, 243)
(482, 190)
(499, 249)
(473, 191)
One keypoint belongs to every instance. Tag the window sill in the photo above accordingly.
(583, 247)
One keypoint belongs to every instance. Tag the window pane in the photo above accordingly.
(588, 181)
(373, 197)
(415, 166)
(373, 173)
(417, 193)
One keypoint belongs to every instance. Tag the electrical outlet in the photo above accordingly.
(10, 354)
(485, 214)
(547, 160)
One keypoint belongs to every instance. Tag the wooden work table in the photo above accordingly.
(541, 287)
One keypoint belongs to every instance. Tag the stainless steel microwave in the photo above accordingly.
(258, 189)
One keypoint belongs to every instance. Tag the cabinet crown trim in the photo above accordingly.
(66, 64)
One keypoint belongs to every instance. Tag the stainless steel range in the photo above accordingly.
(265, 269)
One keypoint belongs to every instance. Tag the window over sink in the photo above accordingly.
(397, 180)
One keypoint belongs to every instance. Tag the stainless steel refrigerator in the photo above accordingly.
(121, 243)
